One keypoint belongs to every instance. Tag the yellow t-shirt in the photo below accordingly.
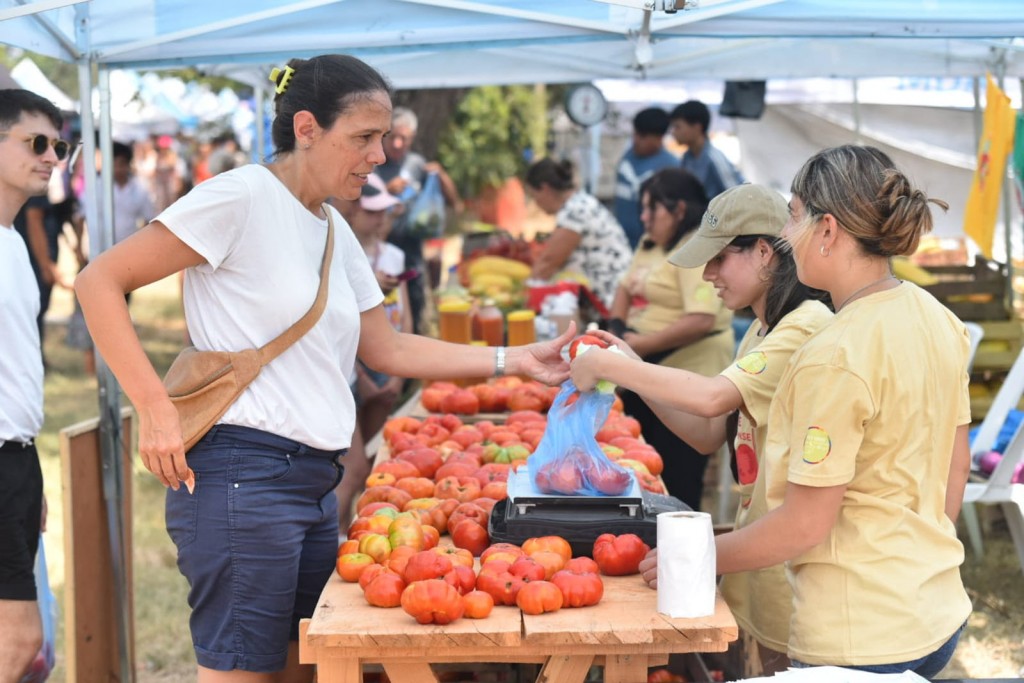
(762, 600)
(872, 402)
(672, 292)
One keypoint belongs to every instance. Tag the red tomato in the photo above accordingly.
(384, 590)
(555, 544)
(585, 340)
(471, 536)
(579, 590)
(501, 585)
(619, 555)
(538, 597)
(426, 564)
(462, 578)
(462, 489)
(462, 401)
(582, 565)
(467, 511)
(457, 556)
(477, 604)
(527, 569)
(501, 548)
(371, 572)
(432, 602)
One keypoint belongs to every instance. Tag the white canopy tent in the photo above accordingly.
(443, 43)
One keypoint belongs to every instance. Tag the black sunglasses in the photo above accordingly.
(40, 142)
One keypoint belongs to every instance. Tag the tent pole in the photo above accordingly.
(260, 97)
(109, 403)
(1007, 199)
(856, 112)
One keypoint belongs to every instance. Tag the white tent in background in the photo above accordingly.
(30, 77)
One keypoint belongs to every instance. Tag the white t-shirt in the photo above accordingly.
(21, 362)
(263, 251)
(389, 259)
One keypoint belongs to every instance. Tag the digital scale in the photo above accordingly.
(528, 513)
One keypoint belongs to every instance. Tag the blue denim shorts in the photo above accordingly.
(927, 667)
(257, 542)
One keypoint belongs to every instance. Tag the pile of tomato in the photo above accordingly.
(440, 584)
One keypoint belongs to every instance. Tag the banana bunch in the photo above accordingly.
(905, 269)
(492, 275)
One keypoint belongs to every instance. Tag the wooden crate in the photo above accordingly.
(975, 292)
(1000, 345)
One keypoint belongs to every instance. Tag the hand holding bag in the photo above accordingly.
(202, 385)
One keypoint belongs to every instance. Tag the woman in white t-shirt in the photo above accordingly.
(258, 539)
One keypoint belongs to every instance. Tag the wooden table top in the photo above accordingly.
(624, 622)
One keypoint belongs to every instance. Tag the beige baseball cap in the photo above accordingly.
(746, 209)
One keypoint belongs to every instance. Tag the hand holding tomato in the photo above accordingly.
(542, 361)
(589, 364)
(649, 568)
(619, 555)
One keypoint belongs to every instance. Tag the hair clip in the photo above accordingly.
(285, 76)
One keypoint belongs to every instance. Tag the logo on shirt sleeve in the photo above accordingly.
(817, 445)
(754, 363)
(704, 293)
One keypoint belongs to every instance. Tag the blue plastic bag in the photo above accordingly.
(568, 459)
(426, 213)
(42, 665)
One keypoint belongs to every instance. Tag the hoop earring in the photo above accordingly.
(764, 275)
(824, 251)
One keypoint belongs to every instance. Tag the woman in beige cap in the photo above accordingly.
(867, 453)
(748, 264)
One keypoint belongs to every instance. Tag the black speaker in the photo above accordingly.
(743, 99)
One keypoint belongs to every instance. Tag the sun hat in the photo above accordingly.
(746, 209)
(375, 196)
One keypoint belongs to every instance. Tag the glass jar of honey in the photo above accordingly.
(521, 329)
(489, 325)
(454, 322)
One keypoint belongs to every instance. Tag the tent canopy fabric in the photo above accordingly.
(445, 43)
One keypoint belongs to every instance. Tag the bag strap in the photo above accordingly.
(275, 347)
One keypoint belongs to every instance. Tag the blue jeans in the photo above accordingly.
(257, 542)
(927, 667)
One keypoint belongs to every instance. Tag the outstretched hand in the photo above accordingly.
(543, 361)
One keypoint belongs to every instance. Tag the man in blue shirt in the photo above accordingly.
(690, 122)
(644, 158)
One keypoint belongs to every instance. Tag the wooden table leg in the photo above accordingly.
(410, 672)
(625, 668)
(339, 670)
(567, 669)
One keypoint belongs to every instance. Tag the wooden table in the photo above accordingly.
(623, 632)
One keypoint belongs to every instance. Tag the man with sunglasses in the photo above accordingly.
(30, 149)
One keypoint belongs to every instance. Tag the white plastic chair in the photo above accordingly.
(998, 489)
(977, 332)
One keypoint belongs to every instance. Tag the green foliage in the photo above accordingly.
(492, 129)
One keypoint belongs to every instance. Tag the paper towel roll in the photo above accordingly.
(686, 564)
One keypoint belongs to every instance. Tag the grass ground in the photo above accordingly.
(992, 647)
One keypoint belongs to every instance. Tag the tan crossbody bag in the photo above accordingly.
(202, 385)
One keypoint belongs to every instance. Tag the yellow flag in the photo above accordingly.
(993, 149)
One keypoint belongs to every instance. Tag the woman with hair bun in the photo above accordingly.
(587, 238)
(867, 453)
(257, 539)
